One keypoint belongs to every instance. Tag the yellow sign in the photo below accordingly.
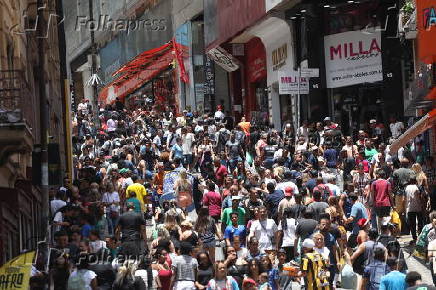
(279, 56)
(15, 274)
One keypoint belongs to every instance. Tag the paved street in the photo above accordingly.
(414, 264)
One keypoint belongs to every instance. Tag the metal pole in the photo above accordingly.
(94, 65)
(298, 99)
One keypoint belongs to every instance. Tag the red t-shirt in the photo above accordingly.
(220, 174)
(365, 164)
(213, 201)
(381, 188)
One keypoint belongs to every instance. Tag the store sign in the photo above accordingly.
(209, 76)
(279, 56)
(429, 17)
(310, 72)
(426, 22)
(353, 57)
(223, 59)
(288, 83)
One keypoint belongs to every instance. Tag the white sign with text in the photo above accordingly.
(288, 83)
(353, 57)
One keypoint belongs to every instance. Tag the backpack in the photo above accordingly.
(77, 282)
(223, 137)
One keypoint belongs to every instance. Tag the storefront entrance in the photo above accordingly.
(354, 106)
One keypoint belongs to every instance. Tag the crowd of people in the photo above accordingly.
(189, 201)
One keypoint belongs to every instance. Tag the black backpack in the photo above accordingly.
(223, 137)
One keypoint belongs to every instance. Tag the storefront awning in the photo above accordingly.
(419, 127)
(143, 68)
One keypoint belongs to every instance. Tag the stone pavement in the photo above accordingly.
(413, 263)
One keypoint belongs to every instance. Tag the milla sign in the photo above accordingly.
(353, 57)
(288, 83)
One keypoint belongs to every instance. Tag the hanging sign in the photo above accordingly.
(288, 83)
(353, 57)
(223, 59)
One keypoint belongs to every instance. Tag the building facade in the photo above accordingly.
(25, 36)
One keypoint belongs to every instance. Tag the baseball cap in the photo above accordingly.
(248, 282)
(236, 197)
(289, 191)
(372, 121)
(327, 119)
(308, 243)
(314, 148)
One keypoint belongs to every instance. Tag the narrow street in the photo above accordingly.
(216, 144)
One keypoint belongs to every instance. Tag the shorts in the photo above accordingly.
(382, 211)
(184, 285)
(216, 218)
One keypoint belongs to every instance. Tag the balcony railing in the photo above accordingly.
(16, 102)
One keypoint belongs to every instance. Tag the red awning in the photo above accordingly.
(419, 127)
(143, 68)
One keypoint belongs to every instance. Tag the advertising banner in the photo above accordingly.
(15, 274)
(353, 57)
(288, 83)
(426, 22)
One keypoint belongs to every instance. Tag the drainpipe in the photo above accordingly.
(44, 122)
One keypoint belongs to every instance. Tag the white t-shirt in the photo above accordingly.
(396, 129)
(242, 253)
(303, 132)
(110, 198)
(324, 252)
(413, 203)
(288, 234)
(334, 188)
(127, 182)
(264, 231)
(187, 140)
(432, 249)
(87, 276)
(56, 204)
(58, 218)
(111, 125)
(144, 276)
(95, 246)
(282, 185)
(219, 115)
